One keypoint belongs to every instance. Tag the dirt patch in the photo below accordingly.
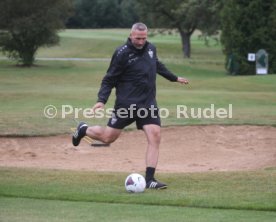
(183, 149)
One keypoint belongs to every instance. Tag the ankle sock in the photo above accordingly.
(150, 171)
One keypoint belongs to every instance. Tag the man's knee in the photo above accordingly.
(111, 135)
(153, 133)
(156, 133)
(109, 139)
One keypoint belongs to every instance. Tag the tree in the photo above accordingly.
(30, 24)
(248, 26)
(184, 15)
(103, 14)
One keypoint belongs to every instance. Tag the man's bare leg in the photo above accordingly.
(153, 134)
(103, 134)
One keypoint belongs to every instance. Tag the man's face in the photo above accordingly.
(138, 38)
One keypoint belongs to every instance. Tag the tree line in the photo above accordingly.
(246, 26)
(104, 14)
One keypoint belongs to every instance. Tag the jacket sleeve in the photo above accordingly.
(163, 71)
(110, 79)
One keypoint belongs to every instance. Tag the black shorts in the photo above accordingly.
(141, 116)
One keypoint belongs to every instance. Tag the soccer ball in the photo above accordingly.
(135, 183)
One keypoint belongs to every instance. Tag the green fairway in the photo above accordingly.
(101, 43)
(25, 92)
(71, 195)
(22, 209)
(234, 190)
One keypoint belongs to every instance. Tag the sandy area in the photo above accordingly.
(183, 149)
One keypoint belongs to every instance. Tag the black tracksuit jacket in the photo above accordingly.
(132, 72)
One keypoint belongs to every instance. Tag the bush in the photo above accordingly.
(30, 24)
(248, 26)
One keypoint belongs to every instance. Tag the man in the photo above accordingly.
(132, 72)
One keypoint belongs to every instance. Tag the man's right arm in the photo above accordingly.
(110, 79)
(98, 105)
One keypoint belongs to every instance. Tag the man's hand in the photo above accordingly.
(182, 80)
(98, 105)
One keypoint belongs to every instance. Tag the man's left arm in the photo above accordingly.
(163, 71)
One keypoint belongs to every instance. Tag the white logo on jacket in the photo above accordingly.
(150, 52)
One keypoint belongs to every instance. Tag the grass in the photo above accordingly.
(102, 42)
(246, 195)
(71, 211)
(26, 91)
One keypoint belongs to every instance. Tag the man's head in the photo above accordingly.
(138, 35)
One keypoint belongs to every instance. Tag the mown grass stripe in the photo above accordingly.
(134, 203)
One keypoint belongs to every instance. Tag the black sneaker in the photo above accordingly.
(79, 133)
(154, 184)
